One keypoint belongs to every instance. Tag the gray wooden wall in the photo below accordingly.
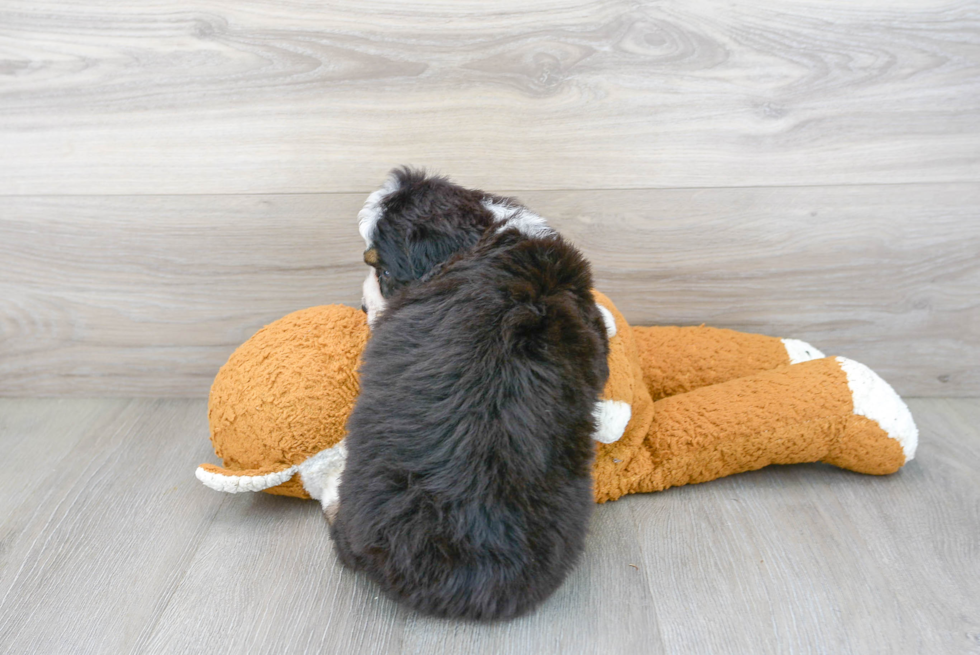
(174, 175)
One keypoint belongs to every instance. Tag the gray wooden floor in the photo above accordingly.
(108, 544)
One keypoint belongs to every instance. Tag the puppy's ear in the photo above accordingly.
(371, 256)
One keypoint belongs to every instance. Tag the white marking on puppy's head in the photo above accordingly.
(371, 299)
(372, 211)
(522, 218)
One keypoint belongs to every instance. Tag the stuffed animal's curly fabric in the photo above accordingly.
(682, 405)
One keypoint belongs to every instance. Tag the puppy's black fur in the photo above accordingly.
(427, 221)
(467, 488)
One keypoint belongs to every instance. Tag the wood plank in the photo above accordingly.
(91, 556)
(269, 97)
(149, 296)
(265, 580)
(136, 295)
(816, 559)
(38, 434)
(118, 549)
(884, 275)
(605, 606)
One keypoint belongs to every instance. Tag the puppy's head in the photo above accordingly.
(411, 226)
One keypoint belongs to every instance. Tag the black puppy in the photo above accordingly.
(467, 487)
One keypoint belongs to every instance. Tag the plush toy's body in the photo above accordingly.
(682, 405)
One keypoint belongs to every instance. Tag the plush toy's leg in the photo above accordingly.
(680, 359)
(833, 410)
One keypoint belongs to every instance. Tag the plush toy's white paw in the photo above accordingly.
(611, 418)
(321, 476)
(800, 351)
(875, 399)
(608, 319)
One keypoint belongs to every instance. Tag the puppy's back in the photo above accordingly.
(467, 489)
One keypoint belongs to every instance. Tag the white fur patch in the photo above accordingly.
(523, 219)
(233, 484)
(608, 319)
(800, 351)
(371, 212)
(611, 417)
(321, 474)
(875, 399)
(371, 297)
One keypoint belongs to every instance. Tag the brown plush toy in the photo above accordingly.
(682, 405)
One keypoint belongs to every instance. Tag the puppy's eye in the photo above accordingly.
(386, 274)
